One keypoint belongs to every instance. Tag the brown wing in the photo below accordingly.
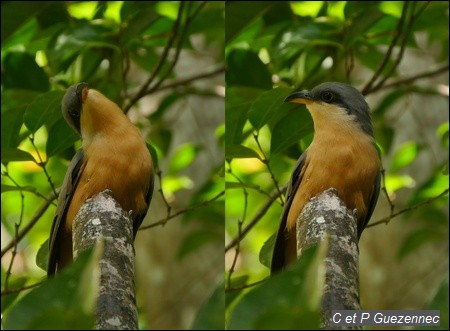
(371, 206)
(148, 198)
(65, 197)
(279, 249)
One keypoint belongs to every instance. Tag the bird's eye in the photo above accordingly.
(327, 96)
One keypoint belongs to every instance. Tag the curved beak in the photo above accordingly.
(303, 97)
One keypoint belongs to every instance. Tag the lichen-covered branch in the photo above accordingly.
(102, 219)
(327, 215)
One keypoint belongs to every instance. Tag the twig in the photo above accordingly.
(177, 49)
(246, 286)
(168, 206)
(168, 217)
(236, 252)
(190, 79)
(411, 79)
(265, 160)
(30, 224)
(159, 65)
(16, 290)
(274, 196)
(15, 241)
(405, 37)
(391, 205)
(42, 164)
(387, 219)
(387, 56)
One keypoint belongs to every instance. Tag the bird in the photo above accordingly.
(113, 156)
(342, 155)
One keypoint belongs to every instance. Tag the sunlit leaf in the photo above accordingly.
(182, 157)
(172, 184)
(239, 151)
(15, 154)
(397, 182)
(404, 156)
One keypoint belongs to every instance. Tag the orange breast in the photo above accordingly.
(121, 165)
(348, 164)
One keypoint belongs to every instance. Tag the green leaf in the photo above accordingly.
(9, 188)
(384, 135)
(182, 157)
(237, 104)
(439, 302)
(164, 105)
(287, 292)
(240, 152)
(236, 282)
(304, 37)
(417, 239)
(211, 314)
(15, 154)
(435, 185)
(60, 137)
(65, 305)
(290, 130)
(240, 14)
(404, 156)
(265, 254)
(16, 13)
(14, 283)
(20, 71)
(245, 68)
(267, 105)
(45, 109)
(396, 182)
(236, 185)
(195, 240)
(42, 256)
(442, 132)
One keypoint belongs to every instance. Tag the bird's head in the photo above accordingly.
(337, 101)
(72, 104)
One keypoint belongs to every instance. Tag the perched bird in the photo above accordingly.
(342, 155)
(113, 156)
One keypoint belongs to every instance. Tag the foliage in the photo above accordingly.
(128, 51)
(274, 48)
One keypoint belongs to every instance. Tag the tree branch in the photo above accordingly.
(168, 217)
(30, 224)
(387, 56)
(412, 78)
(102, 220)
(274, 196)
(326, 219)
(387, 219)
